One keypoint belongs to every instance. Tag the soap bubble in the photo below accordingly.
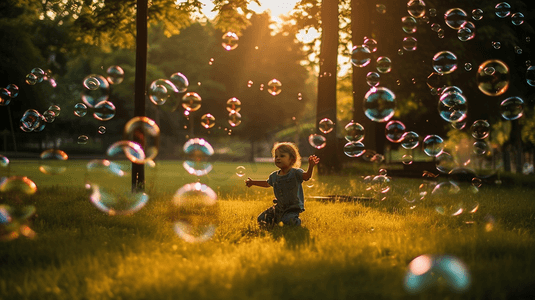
(436, 27)
(102, 129)
(13, 90)
(55, 109)
(104, 111)
(274, 87)
(234, 118)
(53, 162)
(4, 161)
(5, 97)
(31, 79)
(180, 81)
(161, 90)
(194, 212)
(127, 149)
(496, 45)
(445, 162)
(518, 50)
(115, 74)
(466, 32)
(240, 171)
(372, 78)
(111, 190)
(428, 271)
(416, 8)
(480, 129)
(91, 83)
(191, 101)
(477, 14)
(31, 119)
(317, 141)
(82, 139)
(450, 89)
(146, 132)
(493, 83)
(433, 145)
(39, 73)
(80, 109)
(445, 62)
(18, 185)
(230, 41)
(468, 67)
(409, 24)
(354, 132)
(512, 108)
(406, 159)
(381, 186)
(198, 151)
(480, 148)
(380, 8)
(233, 104)
(452, 107)
(502, 10)
(383, 64)
(14, 222)
(394, 131)
(101, 93)
(446, 200)
(325, 125)
(360, 56)
(49, 116)
(410, 140)
(530, 75)
(207, 121)
(354, 149)
(455, 18)
(371, 44)
(409, 43)
(379, 104)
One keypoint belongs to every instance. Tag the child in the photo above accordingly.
(286, 183)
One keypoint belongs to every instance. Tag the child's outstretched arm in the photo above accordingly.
(312, 161)
(261, 183)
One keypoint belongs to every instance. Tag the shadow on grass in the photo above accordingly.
(295, 236)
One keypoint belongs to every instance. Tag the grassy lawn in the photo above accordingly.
(345, 250)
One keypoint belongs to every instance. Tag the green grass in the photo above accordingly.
(343, 251)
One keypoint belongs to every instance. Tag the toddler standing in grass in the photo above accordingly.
(287, 186)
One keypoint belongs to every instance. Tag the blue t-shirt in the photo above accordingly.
(288, 189)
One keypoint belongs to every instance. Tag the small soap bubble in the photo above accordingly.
(468, 67)
(13, 90)
(394, 131)
(432, 12)
(240, 171)
(317, 141)
(299, 96)
(180, 81)
(261, 86)
(127, 149)
(233, 104)
(433, 145)
(466, 32)
(191, 101)
(102, 129)
(406, 159)
(207, 121)
(354, 132)
(452, 107)
(80, 109)
(39, 73)
(249, 83)
(91, 83)
(354, 149)
(502, 10)
(274, 87)
(198, 152)
(372, 78)
(5, 97)
(360, 56)
(518, 50)
(445, 62)
(512, 108)
(410, 43)
(436, 27)
(230, 41)
(49, 116)
(104, 111)
(409, 24)
(455, 18)
(325, 125)
(31, 119)
(477, 14)
(410, 140)
(379, 104)
(82, 139)
(480, 129)
(383, 64)
(380, 8)
(496, 45)
(234, 118)
(493, 77)
(98, 92)
(146, 132)
(115, 74)
(161, 90)
(31, 79)
(371, 44)
(53, 162)
(416, 8)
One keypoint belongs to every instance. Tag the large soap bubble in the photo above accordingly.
(161, 90)
(53, 162)
(512, 108)
(146, 132)
(131, 150)
(493, 77)
(317, 141)
(194, 212)
(445, 199)
(379, 104)
(96, 90)
(416, 8)
(436, 271)
(198, 152)
(360, 56)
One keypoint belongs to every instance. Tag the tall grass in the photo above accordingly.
(344, 250)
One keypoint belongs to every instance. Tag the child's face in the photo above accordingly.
(283, 160)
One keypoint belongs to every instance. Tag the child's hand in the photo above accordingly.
(313, 160)
(248, 182)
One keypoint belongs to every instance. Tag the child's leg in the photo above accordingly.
(291, 218)
(267, 217)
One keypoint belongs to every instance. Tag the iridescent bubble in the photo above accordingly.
(18, 185)
(55, 109)
(410, 140)
(115, 74)
(439, 271)
(406, 159)
(31, 119)
(452, 107)
(101, 93)
(530, 75)
(512, 108)
(191, 101)
(372, 78)
(466, 32)
(31, 79)
(126, 149)
(194, 212)
(409, 24)
(317, 141)
(82, 139)
(432, 12)
(274, 87)
(400, 51)
(394, 131)
(110, 185)
(13, 90)
(161, 90)
(53, 162)
(230, 41)
(480, 148)
(102, 129)
(354, 132)
(49, 116)
(145, 132)
(41, 124)
(91, 83)
(450, 89)
(433, 145)
(468, 67)
(381, 186)
(380, 8)
(39, 73)
(445, 62)
(445, 199)
(233, 104)
(477, 14)
(455, 18)
(354, 149)
(5, 97)
(379, 104)
(14, 221)
(325, 125)
(371, 44)
(360, 56)
(435, 81)
(445, 162)
(497, 82)
(436, 27)
(518, 50)
(198, 152)
(480, 129)
(234, 118)
(416, 8)
(80, 109)
(4, 161)
(240, 171)
(384, 64)
(410, 43)
(458, 125)
(104, 111)
(502, 10)
(180, 81)
(207, 121)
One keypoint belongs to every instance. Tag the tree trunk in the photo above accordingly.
(326, 105)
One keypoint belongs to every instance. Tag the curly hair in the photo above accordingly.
(291, 149)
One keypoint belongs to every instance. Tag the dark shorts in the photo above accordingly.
(276, 214)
